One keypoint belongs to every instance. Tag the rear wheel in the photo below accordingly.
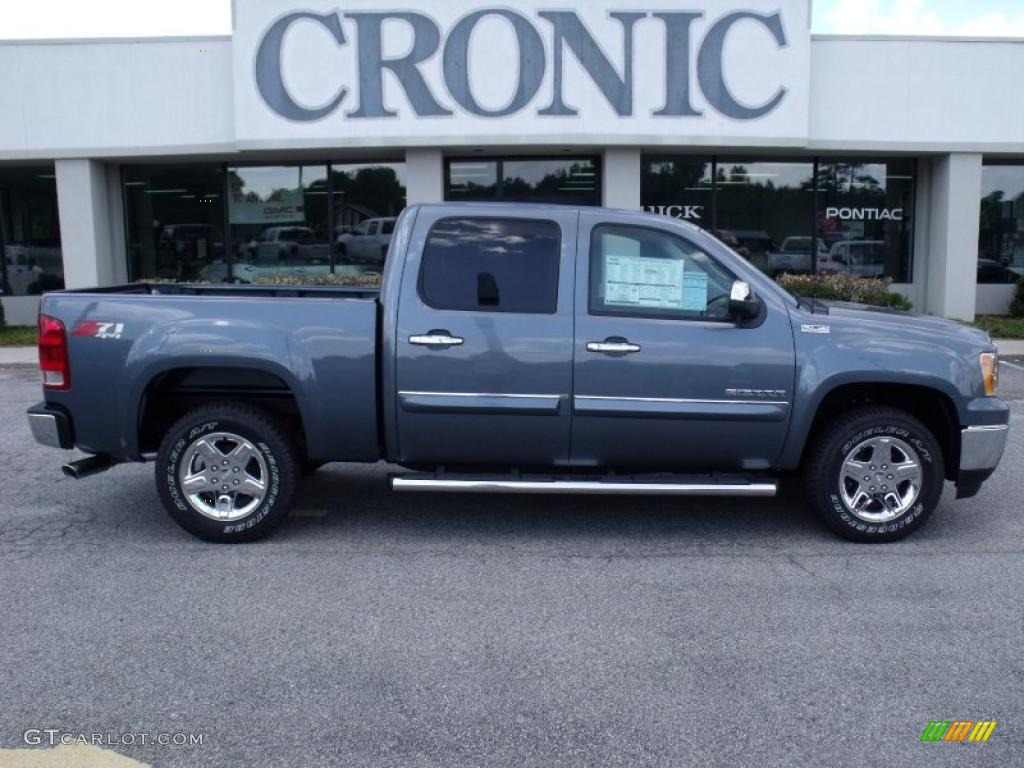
(227, 472)
(874, 474)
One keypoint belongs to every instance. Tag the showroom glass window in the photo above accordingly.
(174, 221)
(278, 221)
(29, 232)
(825, 214)
(1001, 234)
(564, 180)
(212, 223)
(765, 210)
(367, 199)
(678, 187)
(865, 216)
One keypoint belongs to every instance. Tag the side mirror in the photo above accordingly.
(743, 304)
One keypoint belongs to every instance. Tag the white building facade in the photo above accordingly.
(291, 145)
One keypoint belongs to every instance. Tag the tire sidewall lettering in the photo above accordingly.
(177, 496)
(834, 500)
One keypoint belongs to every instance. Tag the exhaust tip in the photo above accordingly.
(90, 465)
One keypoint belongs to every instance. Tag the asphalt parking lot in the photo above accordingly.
(408, 630)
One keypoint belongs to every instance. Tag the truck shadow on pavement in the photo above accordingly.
(349, 500)
(352, 505)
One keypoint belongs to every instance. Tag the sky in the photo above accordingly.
(131, 18)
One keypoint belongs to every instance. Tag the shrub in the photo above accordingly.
(2, 322)
(839, 287)
(1017, 305)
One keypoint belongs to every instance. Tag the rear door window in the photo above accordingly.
(492, 265)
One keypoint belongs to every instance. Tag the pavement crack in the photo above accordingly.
(799, 565)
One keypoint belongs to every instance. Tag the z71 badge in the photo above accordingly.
(99, 330)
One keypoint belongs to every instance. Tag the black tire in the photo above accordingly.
(277, 452)
(829, 450)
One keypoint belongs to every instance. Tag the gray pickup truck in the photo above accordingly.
(524, 349)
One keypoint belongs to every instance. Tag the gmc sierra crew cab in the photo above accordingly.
(523, 349)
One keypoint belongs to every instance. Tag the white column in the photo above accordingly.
(424, 176)
(85, 224)
(115, 217)
(620, 176)
(952, 250)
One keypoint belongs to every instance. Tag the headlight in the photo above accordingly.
(990, 371)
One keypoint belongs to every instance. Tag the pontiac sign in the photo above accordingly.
(582, 72)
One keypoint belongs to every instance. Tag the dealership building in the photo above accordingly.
(290, 145)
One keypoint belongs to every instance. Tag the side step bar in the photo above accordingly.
(601, 485)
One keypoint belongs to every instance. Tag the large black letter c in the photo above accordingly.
(710, 66)
(269, 80)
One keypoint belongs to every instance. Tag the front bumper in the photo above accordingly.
(981, 448)
(51, 426)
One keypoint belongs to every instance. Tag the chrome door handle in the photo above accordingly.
(612, 347)
(436, 339)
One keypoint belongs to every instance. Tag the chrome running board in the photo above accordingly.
(762, 488)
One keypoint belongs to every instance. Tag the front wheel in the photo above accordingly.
(227, 472)
(874, 474)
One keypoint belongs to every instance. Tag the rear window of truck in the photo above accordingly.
(492, 265)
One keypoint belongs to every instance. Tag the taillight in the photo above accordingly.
(53, 353)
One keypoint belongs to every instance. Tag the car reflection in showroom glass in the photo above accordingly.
(1001, 234)
(764, 212)
(864, 218)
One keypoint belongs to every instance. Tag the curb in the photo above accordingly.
(19, 356)
(1010, 347)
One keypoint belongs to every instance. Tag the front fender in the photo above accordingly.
(827, 362)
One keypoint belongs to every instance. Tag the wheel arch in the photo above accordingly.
(171, 392)
(935, 408)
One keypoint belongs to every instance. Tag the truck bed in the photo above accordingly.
(315, 345)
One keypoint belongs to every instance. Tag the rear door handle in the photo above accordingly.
(436, 339)
(613, 347)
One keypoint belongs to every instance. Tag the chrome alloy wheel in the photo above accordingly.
(880, 479)
(223, 476)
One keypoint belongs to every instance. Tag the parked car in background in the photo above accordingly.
(23, 274)
(795, 254)
(990, 272)
(183, 250)
(287, 245)
(860, 258)
(285, 250)
(367, 242)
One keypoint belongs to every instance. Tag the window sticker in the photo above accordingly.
(640, 281)
(695, 291)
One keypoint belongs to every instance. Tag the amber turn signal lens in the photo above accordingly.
(990, 371)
